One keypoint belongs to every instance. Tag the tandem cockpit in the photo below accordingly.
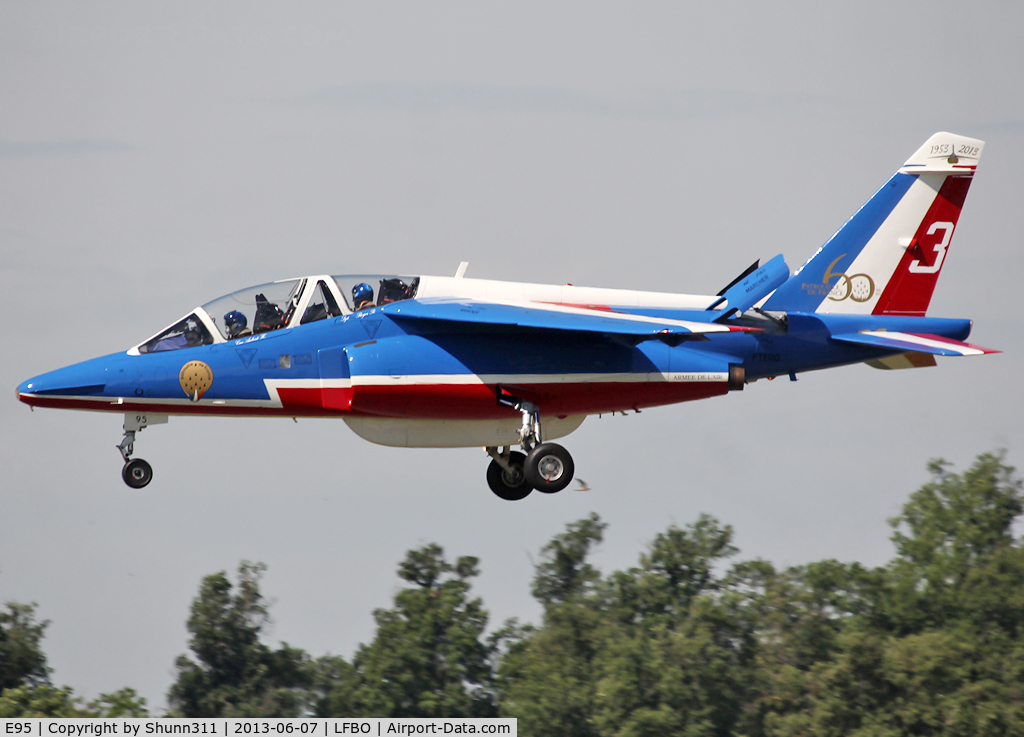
(277, 306)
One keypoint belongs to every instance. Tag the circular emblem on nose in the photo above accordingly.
(195, 378)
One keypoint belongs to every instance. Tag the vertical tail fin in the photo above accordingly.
(887, 258)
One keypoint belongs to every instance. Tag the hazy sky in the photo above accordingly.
(155, 156)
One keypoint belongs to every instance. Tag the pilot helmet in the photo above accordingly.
(361, 293)
(235, 322)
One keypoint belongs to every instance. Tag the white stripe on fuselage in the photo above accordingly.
(516, 292)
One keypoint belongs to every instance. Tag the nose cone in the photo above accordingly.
(75, 387)
(62, 382)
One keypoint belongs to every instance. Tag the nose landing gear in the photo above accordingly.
(136, 472)
(546, 467)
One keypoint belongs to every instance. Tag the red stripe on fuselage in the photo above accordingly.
(478, 401)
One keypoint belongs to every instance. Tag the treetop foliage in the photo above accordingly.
(689, 641)
(25, 687)
(956, 554)
(237, 675)
(22, 661)
(429, 657)
(563, 573)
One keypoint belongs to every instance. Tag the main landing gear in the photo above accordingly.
(136, 472)
(546, 467)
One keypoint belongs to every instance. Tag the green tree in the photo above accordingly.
(547, 677)
(678, 568)
(931, 644)
(564, 574)
(123, 703)
(42, 700)
(25, 688)
(236, 674)
(335, 683)
(677, 657)
(956, 554)
(428, 658)
(22, 661)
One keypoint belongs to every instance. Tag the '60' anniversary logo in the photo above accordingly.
(858, 287)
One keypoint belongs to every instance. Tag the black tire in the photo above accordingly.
(510, 487)
(549, 468)
(137, 473)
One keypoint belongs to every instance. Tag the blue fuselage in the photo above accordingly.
(372, 365)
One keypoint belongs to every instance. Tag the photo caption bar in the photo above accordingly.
(97, 727)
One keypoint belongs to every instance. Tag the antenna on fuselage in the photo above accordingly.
(461, 271)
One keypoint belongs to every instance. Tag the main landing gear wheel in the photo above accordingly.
(137, 473)
(510, 485)
(549, 468)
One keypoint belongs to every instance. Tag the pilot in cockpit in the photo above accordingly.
(362, 296)
(235, 323)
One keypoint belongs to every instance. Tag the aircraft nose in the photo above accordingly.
(80, 380)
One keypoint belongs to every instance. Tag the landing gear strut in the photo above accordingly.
(136, 472)
(546, 467)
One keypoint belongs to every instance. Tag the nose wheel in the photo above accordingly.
(136, 472)
(546, 467)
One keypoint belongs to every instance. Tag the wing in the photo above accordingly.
(916, 342)
(538, 316)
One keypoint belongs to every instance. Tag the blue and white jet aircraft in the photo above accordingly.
(425, 361)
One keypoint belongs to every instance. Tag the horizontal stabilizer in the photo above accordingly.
(902, 361)
(534, 316)
(754, 286)
(914, 342)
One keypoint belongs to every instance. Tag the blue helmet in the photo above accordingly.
(235, 322)
(361, 293)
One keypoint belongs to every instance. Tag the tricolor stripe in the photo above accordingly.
(921, 343)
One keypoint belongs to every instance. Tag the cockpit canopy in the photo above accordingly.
(186, 333)
(280, 305)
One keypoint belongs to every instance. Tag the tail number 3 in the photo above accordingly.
(940, 249)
